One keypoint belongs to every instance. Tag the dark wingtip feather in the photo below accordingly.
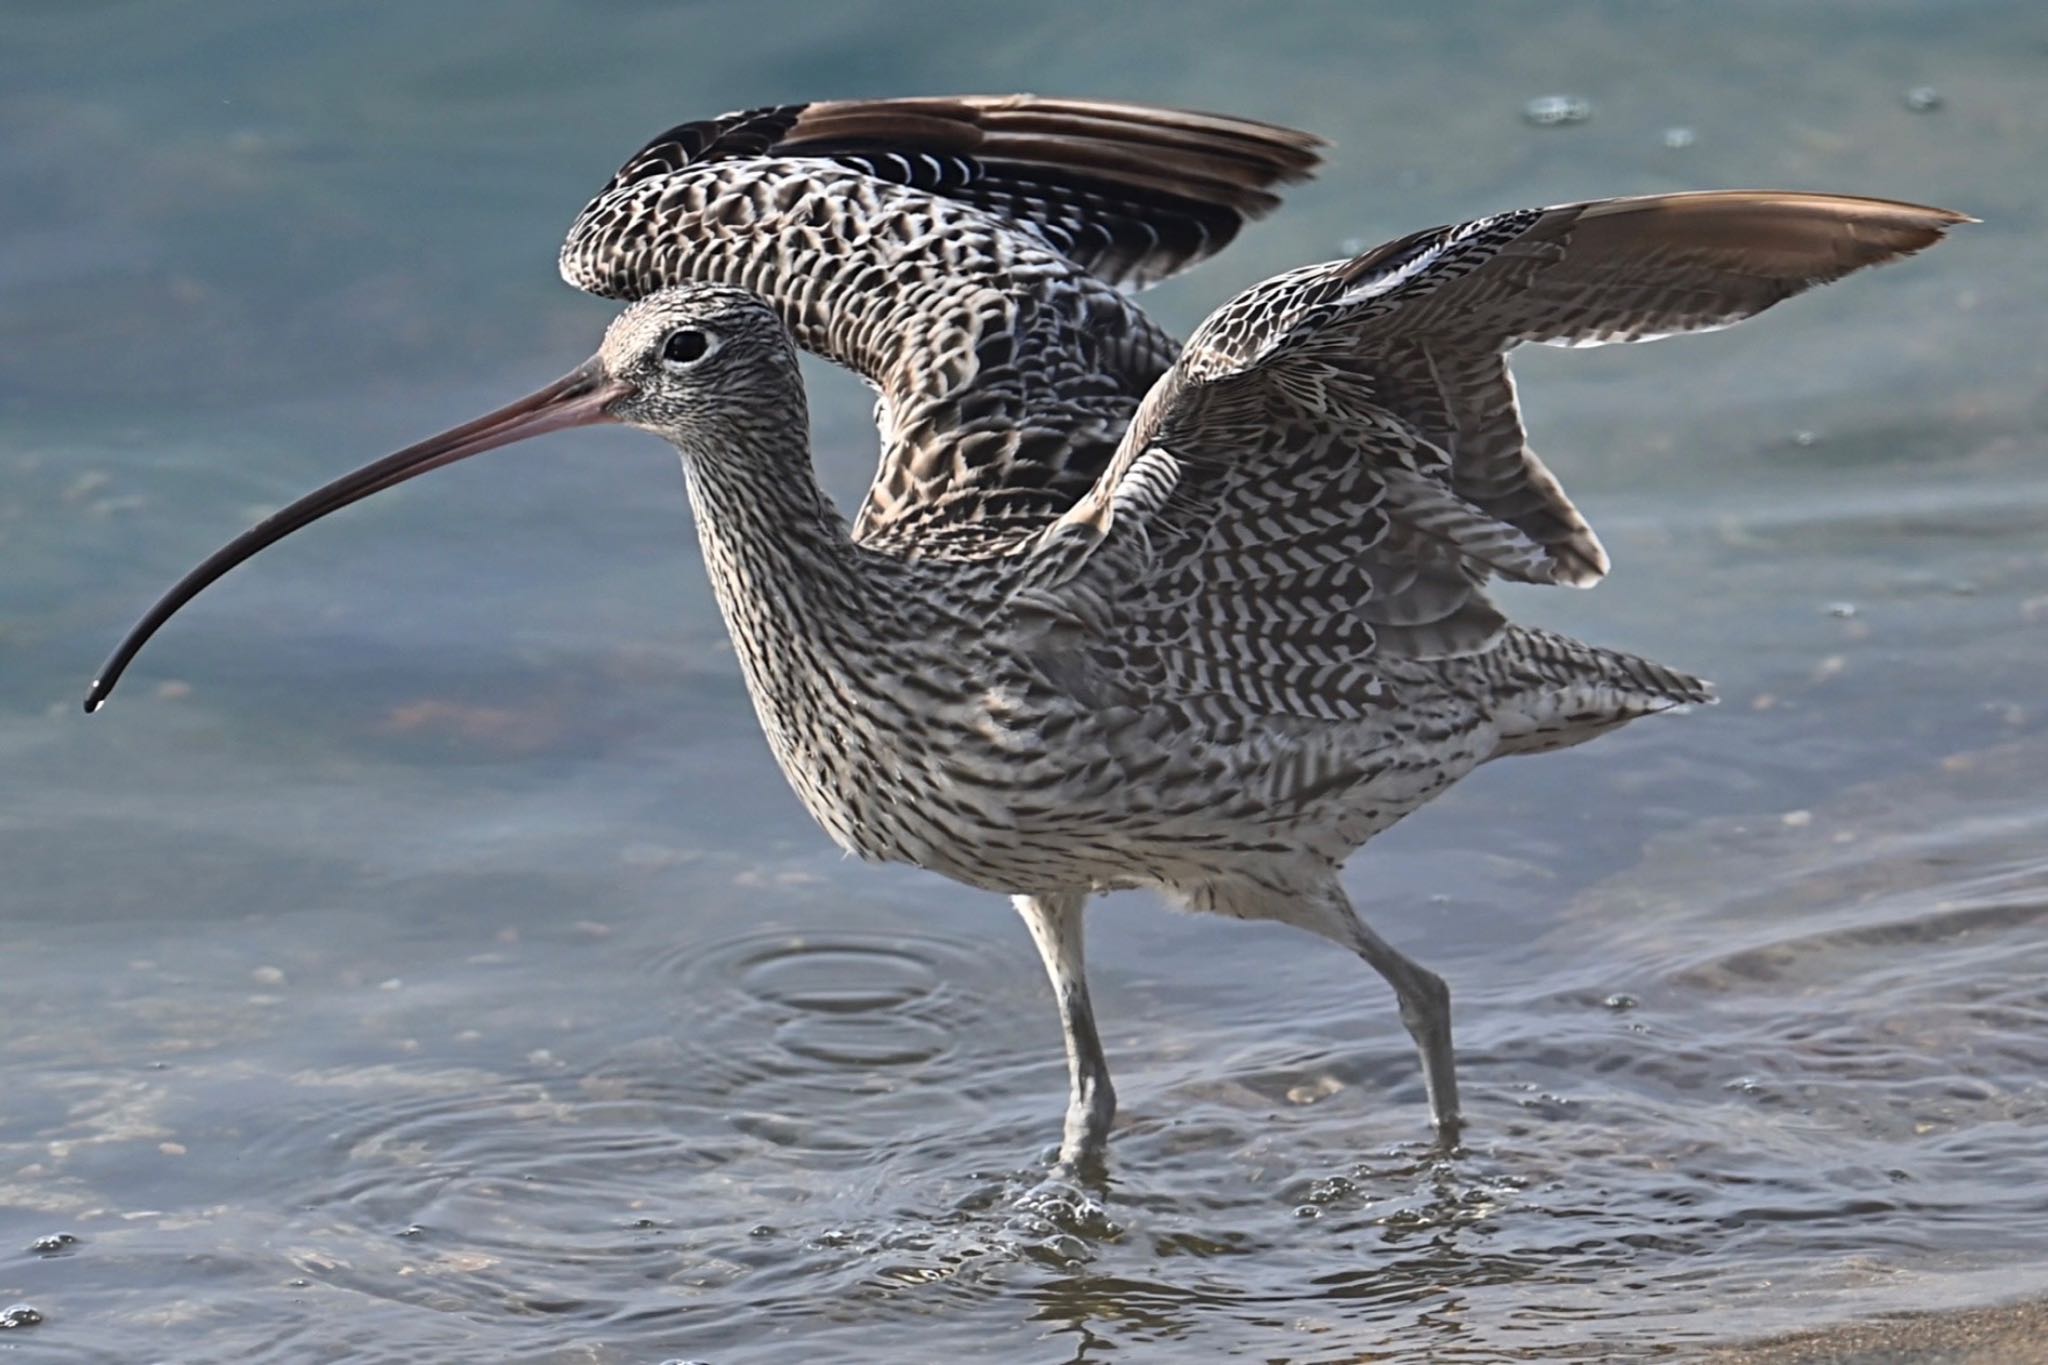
(1129, 192)
(1774, 233)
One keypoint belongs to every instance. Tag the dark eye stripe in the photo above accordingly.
(685, 346)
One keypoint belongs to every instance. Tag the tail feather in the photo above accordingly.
(1558, 691)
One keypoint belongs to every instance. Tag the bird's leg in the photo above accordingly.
(1426, 1010)
(1055, 924)
(1316, 902)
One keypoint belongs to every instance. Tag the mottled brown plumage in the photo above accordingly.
(1116, 614)
(967, 257)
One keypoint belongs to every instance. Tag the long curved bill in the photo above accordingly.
(577, 399)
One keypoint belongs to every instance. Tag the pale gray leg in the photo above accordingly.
(1055, 924)
(1426, 1010)
(1318, 904)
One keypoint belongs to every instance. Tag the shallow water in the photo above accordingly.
(422, 959)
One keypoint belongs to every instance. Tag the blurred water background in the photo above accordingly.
(423, 960)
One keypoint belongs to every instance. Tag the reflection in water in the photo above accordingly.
(814, 1132)
(818, 1131)
(435, 968)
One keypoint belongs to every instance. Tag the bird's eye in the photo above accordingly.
(687, 346)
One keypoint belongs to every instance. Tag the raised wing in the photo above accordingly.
(964, 256)
(1328, 476)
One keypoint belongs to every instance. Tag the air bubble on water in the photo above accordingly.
(1320, 1088)
(1030, 1225)
(1678, 139)
(1065, 1249)
(1551, 111)
(1067, 1208)
(1548, 1104)
(1407, 1220)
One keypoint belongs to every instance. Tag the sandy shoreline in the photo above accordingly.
(2009, 1334)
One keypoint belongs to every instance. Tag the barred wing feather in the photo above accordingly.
(1326, 479)
(967, 256)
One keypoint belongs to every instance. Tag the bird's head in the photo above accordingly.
(705, 366)
(699, 364)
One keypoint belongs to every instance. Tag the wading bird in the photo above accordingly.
(1118, 613)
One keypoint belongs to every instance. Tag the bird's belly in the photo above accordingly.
(1007, 830)
(972, 792)
(1119, 801)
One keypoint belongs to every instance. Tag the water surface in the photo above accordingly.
(422, 959)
